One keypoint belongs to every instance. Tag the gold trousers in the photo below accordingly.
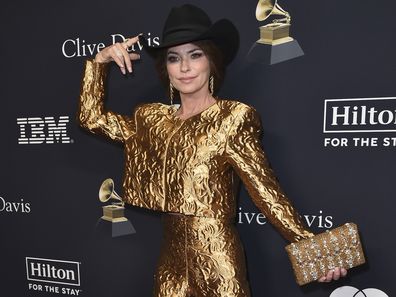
(200, 257)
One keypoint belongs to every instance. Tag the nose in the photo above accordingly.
(184, 65)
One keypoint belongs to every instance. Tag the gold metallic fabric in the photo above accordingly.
(188, 166)
(313, 257)
(200, 257)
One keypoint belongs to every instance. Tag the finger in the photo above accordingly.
(125, 55)
(322, 279)
(329, 276)
(343, 272)
(118, 58)
(134, 56)
(98, 57)
(336, 274)
(131, 41)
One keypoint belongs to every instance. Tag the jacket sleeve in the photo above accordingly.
(244, 152)
(91, 114)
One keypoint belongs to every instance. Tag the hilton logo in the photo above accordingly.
(375, 118)
(53, 271)
(53, 276)
(360, 115)
(45, 130)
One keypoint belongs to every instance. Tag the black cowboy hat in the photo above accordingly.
(189, 23)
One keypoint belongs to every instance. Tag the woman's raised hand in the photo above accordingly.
(119, 54)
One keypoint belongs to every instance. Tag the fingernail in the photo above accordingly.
(130, 69)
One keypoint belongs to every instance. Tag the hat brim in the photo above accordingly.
(223, 33)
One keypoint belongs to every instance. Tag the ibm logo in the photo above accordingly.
(53, 271)
(45, 130)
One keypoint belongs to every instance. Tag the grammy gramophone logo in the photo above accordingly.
(275, 44)
(114, 213)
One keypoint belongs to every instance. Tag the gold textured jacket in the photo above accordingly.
(187, 166)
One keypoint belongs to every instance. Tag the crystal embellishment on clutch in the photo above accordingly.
(313, 257)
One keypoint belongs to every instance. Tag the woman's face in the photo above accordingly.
(188, 68)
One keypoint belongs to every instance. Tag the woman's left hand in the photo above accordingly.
(333, 274)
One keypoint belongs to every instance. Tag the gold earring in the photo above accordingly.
(211, 84)
(171, 92)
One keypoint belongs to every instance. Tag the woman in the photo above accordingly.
(182, 160)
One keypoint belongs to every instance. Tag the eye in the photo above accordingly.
(197, 55)
(172, 59)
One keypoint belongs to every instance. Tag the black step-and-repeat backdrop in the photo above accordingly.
(329, 120)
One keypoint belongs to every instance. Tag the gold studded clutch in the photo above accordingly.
(313, 257)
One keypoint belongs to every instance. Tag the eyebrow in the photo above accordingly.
(189, 52)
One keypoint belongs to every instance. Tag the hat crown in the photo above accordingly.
(187, 18)
(189, 23)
